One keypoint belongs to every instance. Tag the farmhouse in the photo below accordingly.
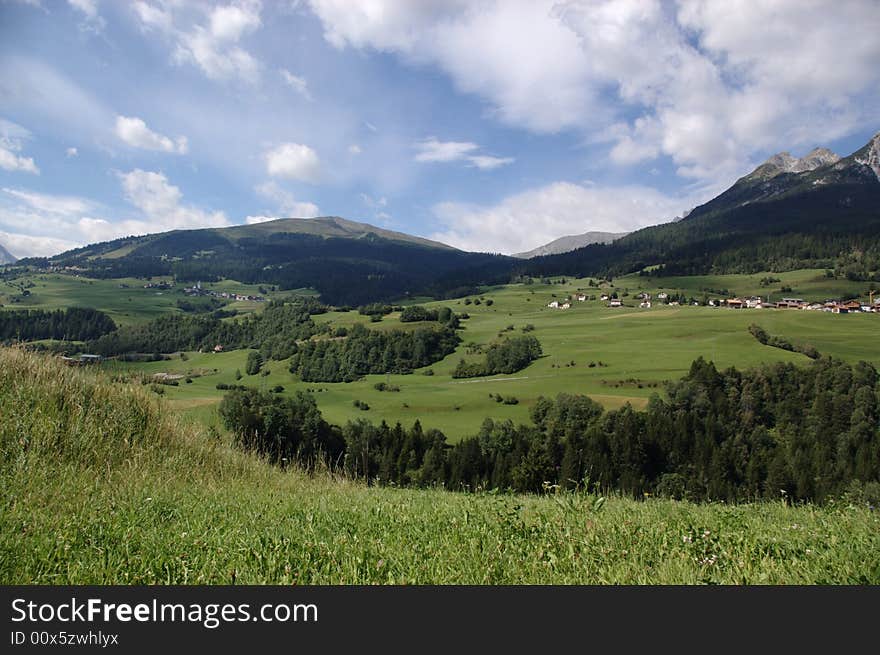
(581, 297)
(791, 303)
(645, 304)
(615, 302)
(553, 305)
(735, 303)
(662, 295)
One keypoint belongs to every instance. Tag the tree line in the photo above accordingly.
(273, 331)
(72, 324)
(364, 352)
(507, 356)
(779, 431)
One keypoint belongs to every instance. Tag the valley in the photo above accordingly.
(613, 355)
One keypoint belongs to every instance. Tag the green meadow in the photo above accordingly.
(633, 351)
(101, 483)
(125, 300)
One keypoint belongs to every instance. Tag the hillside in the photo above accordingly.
(101, 486)
(6, 257)
(345, 261)
(820, 211)
(569, 243)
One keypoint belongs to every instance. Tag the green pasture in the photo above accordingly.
(634, 352)
(100, 484)
(124, 299)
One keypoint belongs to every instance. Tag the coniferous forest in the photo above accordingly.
(72, 324)
(781, 431)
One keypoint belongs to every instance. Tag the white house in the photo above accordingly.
(553, 305)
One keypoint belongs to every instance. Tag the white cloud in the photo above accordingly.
(526, 220)
(134, 132)
(32, 220)
(25, 245)
(287, 204)
(12, 137)
(704, 82)
(297, 83)
(52, 204)
(159, 201)
(229, 23)
(12, 162)
(487, 163)
(515, 54)
(294, 161)
(71, 152)
(211, 44)
(354, 149)
(432, 150)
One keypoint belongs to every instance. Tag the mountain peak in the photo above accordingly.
(6, 257)
(784, 162)
(870, 155)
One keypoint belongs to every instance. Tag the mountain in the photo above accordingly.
(347, 262)
(819, 211)
(569, 243)
(6, 256)
(326, 226)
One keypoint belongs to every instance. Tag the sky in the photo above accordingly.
(491, 125)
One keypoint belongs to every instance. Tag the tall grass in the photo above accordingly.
(100, 484)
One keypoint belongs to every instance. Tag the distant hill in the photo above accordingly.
(346, 261)
(6, 257)
(569, 243)
(818, 211)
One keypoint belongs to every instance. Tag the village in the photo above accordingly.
(646, 301)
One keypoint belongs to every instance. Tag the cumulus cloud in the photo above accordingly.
(134, 132)
(706, 83)
(354, 149)
(287, 206)
(159, 201)
(432, 150)
(32, 221)
(297, 83)
(71, 152)
(294, 161)
(210, 42)
(526, 220)
(12, 138)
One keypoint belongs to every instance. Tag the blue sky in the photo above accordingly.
(491, 125)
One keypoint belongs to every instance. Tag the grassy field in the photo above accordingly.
(102, 484)
(125, 299)
(638, 350)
